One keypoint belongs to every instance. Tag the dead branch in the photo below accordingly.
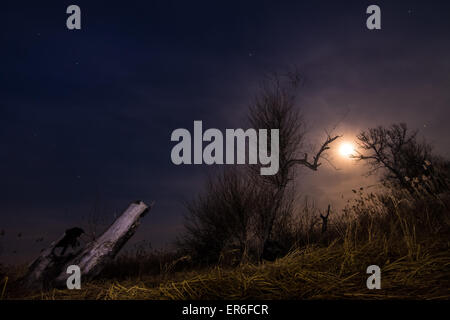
(315, 164)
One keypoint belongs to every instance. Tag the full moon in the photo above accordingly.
(346, 150)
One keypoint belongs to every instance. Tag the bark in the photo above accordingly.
(44, 267)
(49, 270)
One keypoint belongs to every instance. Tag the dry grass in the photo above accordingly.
(334, 272)
(406, 235)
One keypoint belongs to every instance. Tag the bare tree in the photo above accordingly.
(240, 204)
(275, 108)
(220, 217)
(397, 153)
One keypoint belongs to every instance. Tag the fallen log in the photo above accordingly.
(45, 267)
(49, 270)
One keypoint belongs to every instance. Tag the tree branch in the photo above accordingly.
(315, 164)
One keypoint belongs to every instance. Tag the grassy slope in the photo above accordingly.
(408, 239)
(333, 272)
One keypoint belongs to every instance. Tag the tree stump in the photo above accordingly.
(49, 270)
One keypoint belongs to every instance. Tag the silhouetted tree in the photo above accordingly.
(396, 152)
(220, 217)
(241, 204)
(275, 107)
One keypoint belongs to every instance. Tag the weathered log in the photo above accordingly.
(44, 267)
(49, 269)
(101, 251)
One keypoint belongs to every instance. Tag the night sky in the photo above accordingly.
(86, 115)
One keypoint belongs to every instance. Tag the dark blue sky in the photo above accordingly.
(86, 116)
